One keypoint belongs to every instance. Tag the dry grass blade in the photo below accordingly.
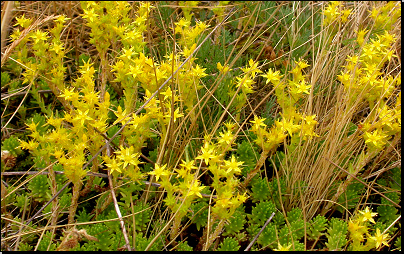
(359, 180)
(118, 212)
(5, 22)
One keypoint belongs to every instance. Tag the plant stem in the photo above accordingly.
(89, 183)
(252, 173)
(52, 177)
(176, 225)
(104, 66)
(215, 234)
(75, 198)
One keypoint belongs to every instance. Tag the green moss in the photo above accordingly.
(228, 244)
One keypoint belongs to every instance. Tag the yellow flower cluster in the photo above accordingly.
(188, 187)
(386, 15)
(334, 12)
(358, 229)
(363, 78)
(188, 34)
(133, 68)
(292, 121)
(224, 172)
(243, 85)
(70, 142)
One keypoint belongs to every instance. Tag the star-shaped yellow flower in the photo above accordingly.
(380, 238)
(283, 248)
(272, 76)
(195, 189)
(128, 156)
(258, 122)
(159, 171)
(206, 154)
(115, 166)
(368, 215)
(232, 165)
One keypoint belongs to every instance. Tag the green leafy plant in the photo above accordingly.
(229, 244)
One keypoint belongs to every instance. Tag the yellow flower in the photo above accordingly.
(58, 48)
(134, 71)
(222, 69)
(301, 87)
(183, 172)
(187, 52)
(58, 153)
(377, 44)
(253, 69)
(380, 238)
(120, 30)
(246, 83)
(195, 189)
(23, 22)
(100, 124)
(368, 52)
(272, 76)
(367, 215)
(39, 36)
(242, 198)
(356, 230)
(120, 114)
(175, 115)
(182, 23)
(62, 19)
(31, 145)
(375, 139)
(374, 12)
(230, 125)
(132, 36)
(128, 156)
(288, 126)
(201, 25)
(89, 14)
(15, 35)
(281, 248)
(224, 202)
(114, 166)
(345, 14)
(127, 53)
(199, 72)
(189, 165)
(345, 78)
(387, 38)
(119, 66)
(159, 171)
(258, 122)
(226, 137)
(302, 64)
(206, 154)
(232, 165)
(310, 120)
(82, 116)
(168, 93)
(138, 120)
(32, 126)
(91, 97)
(145, 8)
(331, 12)
(69, 95)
